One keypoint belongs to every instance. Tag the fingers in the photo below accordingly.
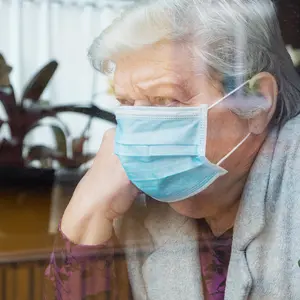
(108, 140)
(107, 145)
(109, 135)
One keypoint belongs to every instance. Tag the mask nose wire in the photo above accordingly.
(229, 94)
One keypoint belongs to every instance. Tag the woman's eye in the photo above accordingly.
(163, 101)
(124, 102)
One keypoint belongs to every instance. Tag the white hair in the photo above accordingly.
(237, 38)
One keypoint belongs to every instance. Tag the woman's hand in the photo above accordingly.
(102, 195)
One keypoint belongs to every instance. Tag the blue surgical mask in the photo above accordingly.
(162, 150)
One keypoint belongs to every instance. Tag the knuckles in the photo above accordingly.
(109, 134)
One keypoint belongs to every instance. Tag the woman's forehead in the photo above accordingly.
(165, 56)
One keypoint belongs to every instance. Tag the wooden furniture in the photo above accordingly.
(25, 243)
(28, 219)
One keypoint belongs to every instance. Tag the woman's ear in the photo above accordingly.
(264, 84)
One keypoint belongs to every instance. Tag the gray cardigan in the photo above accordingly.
(161, 247)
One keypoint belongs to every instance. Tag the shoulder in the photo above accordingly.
(284, 176)
(287, 145)
(289, 133)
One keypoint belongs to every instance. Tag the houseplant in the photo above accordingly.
(27, 114)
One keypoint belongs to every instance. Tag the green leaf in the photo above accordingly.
(40, 152)
(76, 162)
(39, 82)
(59, 135)
(78, 144)
(90, 110)
(5, 69)
(60, 138)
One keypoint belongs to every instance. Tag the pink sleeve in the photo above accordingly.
(78, 271)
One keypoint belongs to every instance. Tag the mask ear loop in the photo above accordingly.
(229, 94)
(236, 147)
(246, 137)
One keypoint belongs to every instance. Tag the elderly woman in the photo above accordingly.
(208, 129)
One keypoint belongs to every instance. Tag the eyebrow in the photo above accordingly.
(160, 81)
(168, 87)
(118, 92)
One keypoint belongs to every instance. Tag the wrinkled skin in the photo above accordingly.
(164, 75)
